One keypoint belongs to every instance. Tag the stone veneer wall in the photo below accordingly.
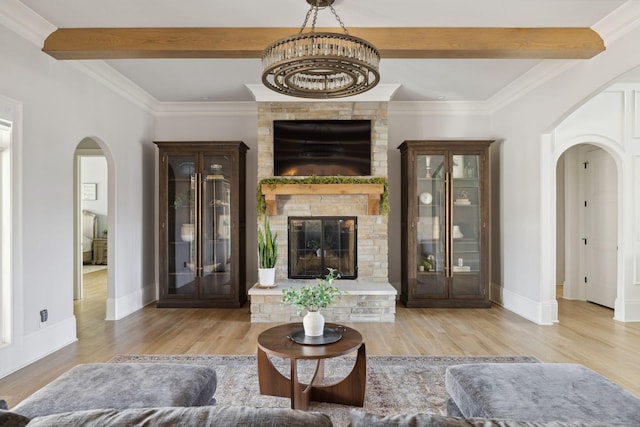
(372, 229)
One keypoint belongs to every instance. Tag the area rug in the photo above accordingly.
(395, 384)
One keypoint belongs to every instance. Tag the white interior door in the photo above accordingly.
(602, 228)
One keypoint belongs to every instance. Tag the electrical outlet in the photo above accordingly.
(44, 316)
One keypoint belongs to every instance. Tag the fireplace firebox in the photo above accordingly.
(319, 243)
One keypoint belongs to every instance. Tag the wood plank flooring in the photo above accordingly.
(586, 334)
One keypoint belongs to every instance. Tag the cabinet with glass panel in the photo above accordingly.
(202, 224)
(445, 223)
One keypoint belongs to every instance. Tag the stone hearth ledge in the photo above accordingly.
(364, 301)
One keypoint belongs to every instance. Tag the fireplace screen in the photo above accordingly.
(318, 243)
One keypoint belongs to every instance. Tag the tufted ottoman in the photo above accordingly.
(122, 386)
(538, 392)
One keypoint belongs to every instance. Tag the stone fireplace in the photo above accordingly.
(370, 296)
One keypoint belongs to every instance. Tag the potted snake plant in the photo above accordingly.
(267, 255)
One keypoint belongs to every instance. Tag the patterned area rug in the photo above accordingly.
(395, 384)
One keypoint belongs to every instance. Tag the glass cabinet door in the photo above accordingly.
(465, 225)
(216, 226)
(445, 223)
(430, 222)
(181, 225)
(202, 223)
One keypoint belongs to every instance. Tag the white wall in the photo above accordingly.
(60, 107)
(609, 120)
(228, 122)
(525, 282)
(406, 122)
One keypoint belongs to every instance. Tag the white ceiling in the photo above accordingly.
(222, 80)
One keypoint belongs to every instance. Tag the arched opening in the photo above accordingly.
(587, 225)
(91, 213)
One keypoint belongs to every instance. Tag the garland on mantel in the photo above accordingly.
(276, 181)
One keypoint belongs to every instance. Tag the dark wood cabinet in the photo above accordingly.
(445, 223)
(202, 224)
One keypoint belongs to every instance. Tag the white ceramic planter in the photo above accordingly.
(313, 324)
(267, 277)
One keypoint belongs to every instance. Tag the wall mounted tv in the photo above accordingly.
(322, 147)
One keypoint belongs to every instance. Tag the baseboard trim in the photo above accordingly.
(118, 308)
(627, 310)
(37, 345)
(540, 312)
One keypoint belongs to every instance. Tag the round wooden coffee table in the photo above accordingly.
(277, 342)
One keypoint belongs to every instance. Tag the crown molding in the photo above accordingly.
(25, 22)
(615, 25)
(619, 22)
(32, 27)
(112, 79)
(246, 108)
(538, 75)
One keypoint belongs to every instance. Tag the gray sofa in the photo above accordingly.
(539, 392)
(159, 395)
(223, 416)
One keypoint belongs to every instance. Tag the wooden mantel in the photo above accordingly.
(372, 191)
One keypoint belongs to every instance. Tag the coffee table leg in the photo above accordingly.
(299, 397)
(349, 391)
(302, 392)
(271, 381)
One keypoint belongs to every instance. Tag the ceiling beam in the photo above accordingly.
(401, 42)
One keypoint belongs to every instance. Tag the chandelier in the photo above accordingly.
(320, 65)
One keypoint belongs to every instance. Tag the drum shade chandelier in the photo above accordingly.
(320, 65)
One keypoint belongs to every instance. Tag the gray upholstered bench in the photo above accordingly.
(122, 386)
(538, 392)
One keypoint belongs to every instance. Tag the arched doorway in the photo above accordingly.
(91, 214)
(587, 225)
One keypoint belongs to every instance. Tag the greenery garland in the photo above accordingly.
(276, 181)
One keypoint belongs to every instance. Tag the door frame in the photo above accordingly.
(577, 221)
(550, 154)
(77, 215)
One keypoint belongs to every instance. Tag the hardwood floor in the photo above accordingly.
(586, 334)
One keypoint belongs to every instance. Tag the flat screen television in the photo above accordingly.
(322, 147)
